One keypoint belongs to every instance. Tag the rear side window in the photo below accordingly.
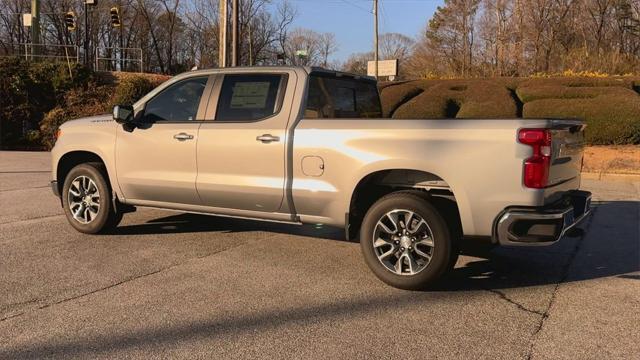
(250, 97)
(339, 98)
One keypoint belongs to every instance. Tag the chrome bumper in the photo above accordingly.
(542, 226)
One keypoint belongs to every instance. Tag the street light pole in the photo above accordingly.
(375, 40)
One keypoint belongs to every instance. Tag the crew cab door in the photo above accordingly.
(156, 162)
(241, 151)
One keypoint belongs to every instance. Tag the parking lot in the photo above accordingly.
(170, 284)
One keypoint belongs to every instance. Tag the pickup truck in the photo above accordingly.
(306, 145)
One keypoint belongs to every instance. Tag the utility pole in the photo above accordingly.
(222, 29)
(86, 34)
(375, 39)
(235, 45)
(35, 26)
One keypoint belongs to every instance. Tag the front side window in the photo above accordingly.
(339, 98)
(178, 102)
(250, 97)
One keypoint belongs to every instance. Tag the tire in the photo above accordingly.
(86, 199)
(411, 259)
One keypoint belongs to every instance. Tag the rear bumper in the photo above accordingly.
(522, 226)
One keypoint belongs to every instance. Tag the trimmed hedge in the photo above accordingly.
(396, 95)
(450, 99)
(611, 119)
(610, 106)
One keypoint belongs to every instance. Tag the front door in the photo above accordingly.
(241, 153)
(156, 162)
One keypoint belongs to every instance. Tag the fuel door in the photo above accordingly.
(312, 166)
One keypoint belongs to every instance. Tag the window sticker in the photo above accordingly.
(250, 95)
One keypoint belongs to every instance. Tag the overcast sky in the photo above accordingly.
(352, 20)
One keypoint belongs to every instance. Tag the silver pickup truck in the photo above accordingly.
(307, 145)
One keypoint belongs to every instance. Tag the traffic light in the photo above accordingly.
(115, 17)
(70, 20)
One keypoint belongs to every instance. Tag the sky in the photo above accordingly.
(352, 20)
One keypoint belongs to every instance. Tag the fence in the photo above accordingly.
(119, 59)
(29, 51)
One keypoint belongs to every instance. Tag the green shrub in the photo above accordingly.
(130, 89)
(531, 93)
(49, 125)
(459, 99)
(394, 96)
(30, 89)
(610, 106)
(611, 119)
(578, 82)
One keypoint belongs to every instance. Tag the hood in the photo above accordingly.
(104, 119)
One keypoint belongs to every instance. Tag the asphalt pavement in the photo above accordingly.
(173, 285)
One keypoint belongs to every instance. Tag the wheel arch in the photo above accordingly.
(381, 182)
(74, 158)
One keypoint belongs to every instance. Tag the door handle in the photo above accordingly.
(267, 138)
(183, 136)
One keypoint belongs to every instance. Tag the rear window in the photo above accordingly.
(332, 97)
(250, 97)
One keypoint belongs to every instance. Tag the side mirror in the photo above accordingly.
(123, 114)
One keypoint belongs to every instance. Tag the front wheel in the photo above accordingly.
(86, 199)
(405, 241)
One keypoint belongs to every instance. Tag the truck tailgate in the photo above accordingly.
(566, 150)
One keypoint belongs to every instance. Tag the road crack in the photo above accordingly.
(504, 297)
(124, 281)
(563, 278)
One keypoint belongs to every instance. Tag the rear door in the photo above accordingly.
(241, 151)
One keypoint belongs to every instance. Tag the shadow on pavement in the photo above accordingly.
(492, 269)
(193, 223)
(593, 256)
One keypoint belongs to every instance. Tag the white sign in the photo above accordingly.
(26, 19)
(385, 68)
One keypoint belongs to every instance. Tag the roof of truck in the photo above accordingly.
(307, 69)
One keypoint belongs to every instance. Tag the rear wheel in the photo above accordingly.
(405, 241)
(86, 199)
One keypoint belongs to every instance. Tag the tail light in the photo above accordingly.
(536, 168)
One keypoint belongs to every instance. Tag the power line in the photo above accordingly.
(357, 6)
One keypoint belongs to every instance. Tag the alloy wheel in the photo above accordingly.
(84, 199)
(403, 242)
